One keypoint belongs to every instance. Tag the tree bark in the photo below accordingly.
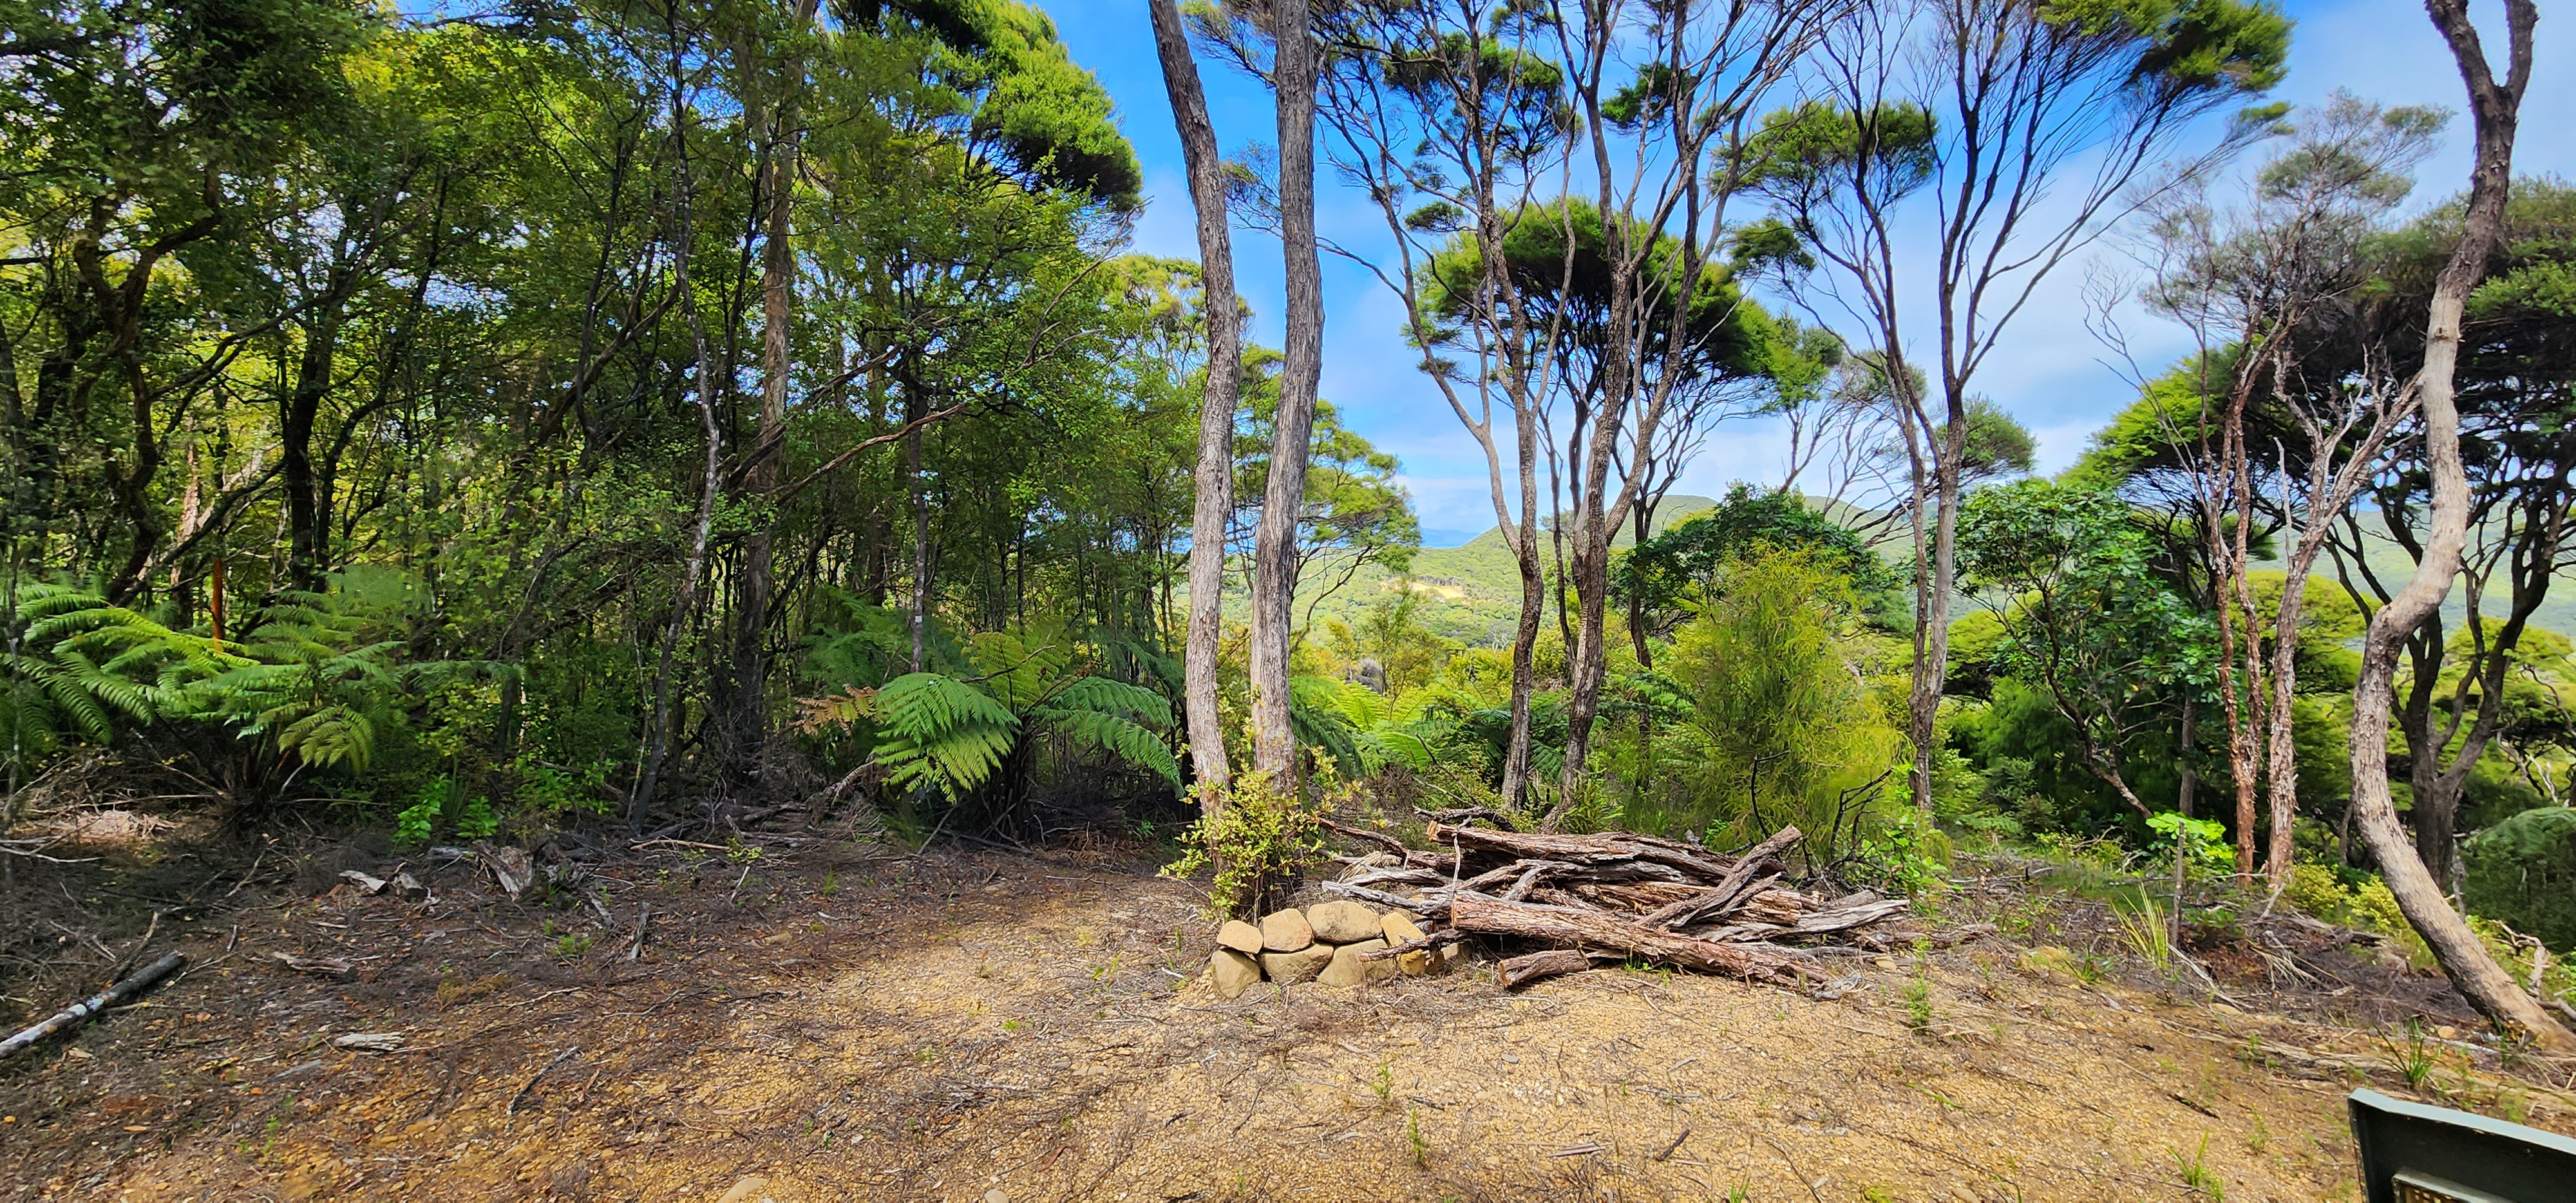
(1935, 577)
(306, 534)
(1274, 582)
(685, 599)
(1215, 473)
(768, 449)
(1592, 929)
(2494, 107)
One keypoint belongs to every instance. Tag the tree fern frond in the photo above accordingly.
(1115, 735)
(1107, 696)
(332, 736)
(848, 708)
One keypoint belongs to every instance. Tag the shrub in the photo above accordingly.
(2523, 871)
(1792, 727)
(1260, 840)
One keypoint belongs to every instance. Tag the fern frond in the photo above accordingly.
(848, 708)
(1107, 696)
(940, 731)
(1115, 735)
(1019, 669)
(332, 736)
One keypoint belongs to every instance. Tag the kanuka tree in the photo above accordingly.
(1217, 409)
(1274, 554)
(2514, 408)
(2272, 293)
(1448, 116)
(1665, 96)
(2030, 125)
(2495, 109)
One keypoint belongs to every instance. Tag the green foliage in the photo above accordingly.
(1793, 731)
(81, 664)
(2523, 871)
(1690, 561)
(941, 733)
(1258, 837)
(955, 736)
(2203, 842)
(2089, 622)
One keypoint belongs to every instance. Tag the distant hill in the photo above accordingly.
(1474, 587)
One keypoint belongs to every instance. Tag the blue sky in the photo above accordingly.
(2051, 371)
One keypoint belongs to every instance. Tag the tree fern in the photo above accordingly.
(1116, 734)
(83, 664)
(941, 732)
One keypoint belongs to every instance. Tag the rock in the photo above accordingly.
(1447, 956)
(1348, 969)
(1342, 921)
(997, 1195)
(1285, 931)
(2447, 1032)
(1400, 929)
(1232, 972)
(1240, 936)
(1290, 968)
(745, 1190)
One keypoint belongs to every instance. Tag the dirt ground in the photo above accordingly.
(838, 1019)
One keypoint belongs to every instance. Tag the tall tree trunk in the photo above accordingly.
(1274, 581)
(684, 600)
(304, 530)
(2495, 110)
(768, 449)
(1935, 570)
(913, 409)
(1215, 474)
(1587, 668)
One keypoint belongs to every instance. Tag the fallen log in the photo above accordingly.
(74, 1014)
(1555, 962)
(1731, 886)
(1380, 838)
(1469, 814)
(1580, 848)
(1589, 930)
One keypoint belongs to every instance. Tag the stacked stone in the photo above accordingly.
(1323, 943)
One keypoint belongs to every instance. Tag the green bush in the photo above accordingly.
(2523, 871)
(1260, 841)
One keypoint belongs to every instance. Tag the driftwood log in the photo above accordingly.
(77, 1013)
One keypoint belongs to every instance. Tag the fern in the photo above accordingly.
(941, 732)
(1315, 717)
(83, 665)
(1119, 736)
(938, 731)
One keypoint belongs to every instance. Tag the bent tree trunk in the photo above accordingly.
(2495, 108)
(1215, 474)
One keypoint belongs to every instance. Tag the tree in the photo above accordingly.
(1664, 577)
(2029, 122)
(1274, 576)
(1215, 475)
(2271, 294)
(1793, 734)
(2514, 427)
(2494, 107)
(2071, 575)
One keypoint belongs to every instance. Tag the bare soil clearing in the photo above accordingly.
(840, 1020)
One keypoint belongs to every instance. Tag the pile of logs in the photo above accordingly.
(1616, 897)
